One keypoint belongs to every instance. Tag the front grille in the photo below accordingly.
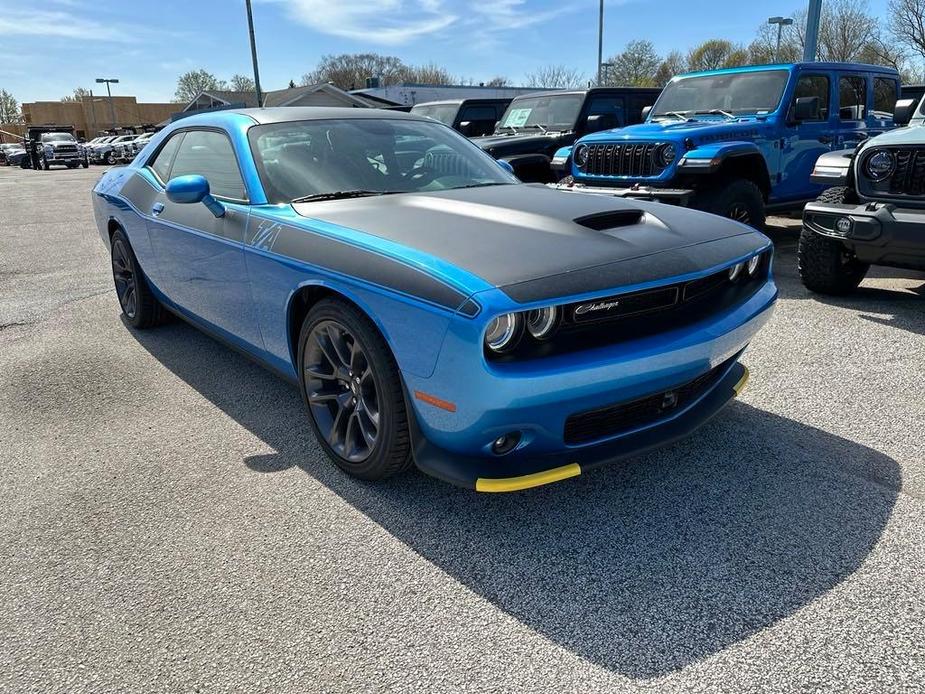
(590, 425)
(623, 159)
(909, 176)
(63, 149)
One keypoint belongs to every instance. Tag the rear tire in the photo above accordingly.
(352, 388)
(737, 199)
(139, 305)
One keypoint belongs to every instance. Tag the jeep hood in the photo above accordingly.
(535, 242)
(909, 135)
(514, 144)
(707, 130)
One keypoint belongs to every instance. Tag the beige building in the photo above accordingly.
(89, 116)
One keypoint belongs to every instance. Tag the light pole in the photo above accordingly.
(112, 109)
(812, 31)
(781, 22)
(600, 43)
(250, 28)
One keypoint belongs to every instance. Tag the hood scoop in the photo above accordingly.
(612, 219)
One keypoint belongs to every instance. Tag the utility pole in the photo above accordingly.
(112, 109)
(812, 31)
(94, 129)
(600, 42)
(250, 28)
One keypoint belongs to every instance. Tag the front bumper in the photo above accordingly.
(674, 196)
(538, 398)
(880, 233)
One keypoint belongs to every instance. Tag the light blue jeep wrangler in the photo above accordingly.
(738, 142)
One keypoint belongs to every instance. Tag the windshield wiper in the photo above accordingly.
(343, 195)
(680, 115)
(482, 185)
(716, 112)
(541, 127)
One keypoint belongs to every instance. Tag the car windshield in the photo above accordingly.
(545, 112)
(445, 113)
(318, 159)
(722, 94)
(58, 137)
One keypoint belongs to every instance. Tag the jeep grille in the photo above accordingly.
(623, 159)
(909, 176)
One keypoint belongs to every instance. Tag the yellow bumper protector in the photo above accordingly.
(536, 479)
(740, 386)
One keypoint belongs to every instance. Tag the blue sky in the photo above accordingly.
(48, 47)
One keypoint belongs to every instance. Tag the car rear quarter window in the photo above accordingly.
(884, 97)
(814, 85)
(852, 98)
(209, 154)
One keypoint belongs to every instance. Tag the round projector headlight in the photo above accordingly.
(581, 155)
(880, 164)
(753, 264)
(735, 271)
(541, 322)
(503, 332)
(666, 154)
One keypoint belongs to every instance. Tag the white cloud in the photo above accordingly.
(503, 15)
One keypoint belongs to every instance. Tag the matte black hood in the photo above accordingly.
(516, 144)
(536, 242)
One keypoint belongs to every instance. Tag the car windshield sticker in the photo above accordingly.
(518, 117)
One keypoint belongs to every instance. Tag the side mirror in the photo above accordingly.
(903, 111)
(601, 121)
(806, 108)
(506, 165)
(467, 128)
(185, 190)
(646, 110)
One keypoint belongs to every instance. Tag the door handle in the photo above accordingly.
(157, 208)
(825, 139)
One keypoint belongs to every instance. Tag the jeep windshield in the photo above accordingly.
(725, 94)
(313, 160)
(445, 113)
(58, 137)
(542, 112)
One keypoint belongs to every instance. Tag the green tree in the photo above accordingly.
(189, 84)
(9, 108)
(716, 53)
(635, 66)
(673, 64)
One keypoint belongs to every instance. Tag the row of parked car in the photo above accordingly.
(46, 146)
(116, 149)
(740, 143)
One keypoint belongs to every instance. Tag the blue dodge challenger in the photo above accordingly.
(431, 308)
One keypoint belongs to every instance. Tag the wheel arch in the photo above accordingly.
(750, 166)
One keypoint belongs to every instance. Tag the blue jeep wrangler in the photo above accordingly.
(738, 142)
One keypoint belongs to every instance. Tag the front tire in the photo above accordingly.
(139, 305)
(353, 391)
(737, 199)
(826, 265)
(109, 160)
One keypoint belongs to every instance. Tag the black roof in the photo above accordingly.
(468, 99)
(592, 90)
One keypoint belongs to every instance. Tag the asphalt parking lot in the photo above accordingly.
(168, 523)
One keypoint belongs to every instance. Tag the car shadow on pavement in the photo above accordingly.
(642, 567)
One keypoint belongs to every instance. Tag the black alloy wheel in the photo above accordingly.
(123, 272)
(341, 391)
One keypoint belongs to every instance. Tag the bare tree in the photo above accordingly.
(426, 74)
(555, 77)
(907, 23)
(350, 70)
(242, 83)
(763, 50)
(673, 64)
(716, 53)
(79, 94)
(498, 81)
(189, 84)
(9, 108)
(845, 29)
(635, 66)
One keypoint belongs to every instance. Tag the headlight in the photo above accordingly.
(735, 271)
(504, 332)
(666, 155)
(753, 264)
(542, 322)
(880, 164)
(581, 155)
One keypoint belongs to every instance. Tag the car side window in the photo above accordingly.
(477, 113)
(814, 85)
(209, 154)
(164, 158)
(884, 97)
(852, 98)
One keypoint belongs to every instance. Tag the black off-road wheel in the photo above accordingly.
(139, 305)
(828, 266)
(353, 391)
(737, 199)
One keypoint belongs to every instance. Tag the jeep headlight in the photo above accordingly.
(581, 155)
(666, 154)
(879, 164)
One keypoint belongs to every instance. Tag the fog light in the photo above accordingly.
(843, 225)
(505, 444)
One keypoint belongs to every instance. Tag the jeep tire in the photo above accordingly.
(735, 198)
(828, 266)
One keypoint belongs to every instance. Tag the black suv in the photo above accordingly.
(471, 117)
(536, 125)
(874, 214)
